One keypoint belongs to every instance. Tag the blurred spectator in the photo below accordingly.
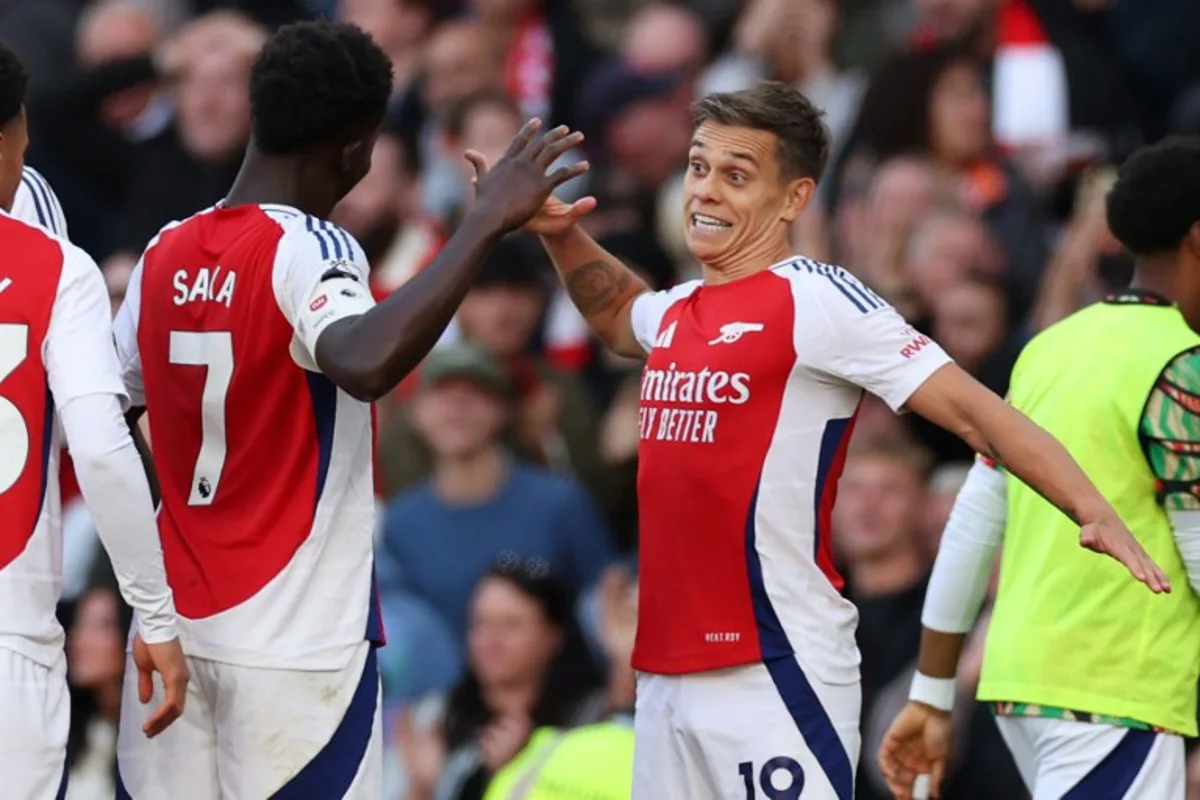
(159, 156)
(878, 524)
(439, 537)
(528, 666)
(942, 491)
(639, 130)
(383, 213)
(96, 658)
(665, 37)
(933, 103)
(398, 27)
(555, 421)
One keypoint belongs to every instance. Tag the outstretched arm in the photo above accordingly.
(600, 286)
(368, 354)
(957, 402)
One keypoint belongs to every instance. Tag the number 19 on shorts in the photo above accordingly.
(780, 778)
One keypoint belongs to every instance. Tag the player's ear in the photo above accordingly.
(799, 193)
(1192, 240)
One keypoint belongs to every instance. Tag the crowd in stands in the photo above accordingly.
(973, 144)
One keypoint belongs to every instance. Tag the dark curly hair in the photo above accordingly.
(13, 80)
(314, 81)
(1156, 198)
(784, 111)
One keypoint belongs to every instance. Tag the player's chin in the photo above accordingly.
(707, 248)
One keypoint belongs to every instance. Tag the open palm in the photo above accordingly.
(554, 218)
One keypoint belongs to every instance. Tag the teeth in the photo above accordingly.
(705, 221)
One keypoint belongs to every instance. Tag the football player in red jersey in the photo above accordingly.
(252, 340)
(747, 665)
(58, 372)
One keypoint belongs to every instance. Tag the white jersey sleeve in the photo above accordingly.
(320, 277)
(648, 310)
(845, 330)
(79, 355)
(125, 333)
(37, 204)
(84, 376)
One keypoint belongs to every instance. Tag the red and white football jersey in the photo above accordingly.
(748, 401)
(55, 346)
(265, 465)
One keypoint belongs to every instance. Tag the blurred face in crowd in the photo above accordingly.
(115, 32)
(801, 39)
(501, 318)
(970, 322)
(505, 12)
(943, 491)
(213, 105)
(459, 60)
(736, 200)
(96, 643)
(488, 129)
(951, 19)
(878, 507)
(14, 138)
(663, 37)
(958, 112)
(395, 25)
(649, 138)
(118, 269)
(902, 192)
(459, 418)
(509, 639)
(943, 249)
(379, 200)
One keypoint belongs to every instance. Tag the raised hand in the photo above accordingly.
(917, 743)
(167, 660)
(517, 188)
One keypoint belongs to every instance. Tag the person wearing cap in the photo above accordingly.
(480, 500)
(555, 420)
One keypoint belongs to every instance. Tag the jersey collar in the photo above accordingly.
(1137, 297)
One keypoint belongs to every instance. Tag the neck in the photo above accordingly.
(279, 179)
(889, 573)
(745, 262)
(511, 699)
(1156, 274)
(470, 479)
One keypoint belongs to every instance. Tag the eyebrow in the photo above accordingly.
(739, 155)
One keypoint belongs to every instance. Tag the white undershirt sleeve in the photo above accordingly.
(84, 376)
(967, 552)
(1186, 525)
(113, 483)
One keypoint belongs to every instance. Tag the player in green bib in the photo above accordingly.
(1092, 678)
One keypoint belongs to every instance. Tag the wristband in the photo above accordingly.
(935, 692)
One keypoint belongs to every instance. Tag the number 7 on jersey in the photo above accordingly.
(214, 351)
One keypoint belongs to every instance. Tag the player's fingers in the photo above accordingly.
(145, 685)
(936, 775)
(580, 207)
(552, 149)
(480, 163)
(523, 137)
(564, 174)
(541, 145)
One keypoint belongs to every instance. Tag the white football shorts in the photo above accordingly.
(1066, 760)
(253, 734)
(35, 716)
(760, 732)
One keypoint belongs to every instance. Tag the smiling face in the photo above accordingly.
(738, 203)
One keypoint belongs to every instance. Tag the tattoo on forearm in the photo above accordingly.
(597, 286)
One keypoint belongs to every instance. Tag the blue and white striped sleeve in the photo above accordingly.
(320, 276)
(37, 204)
(856, 336)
